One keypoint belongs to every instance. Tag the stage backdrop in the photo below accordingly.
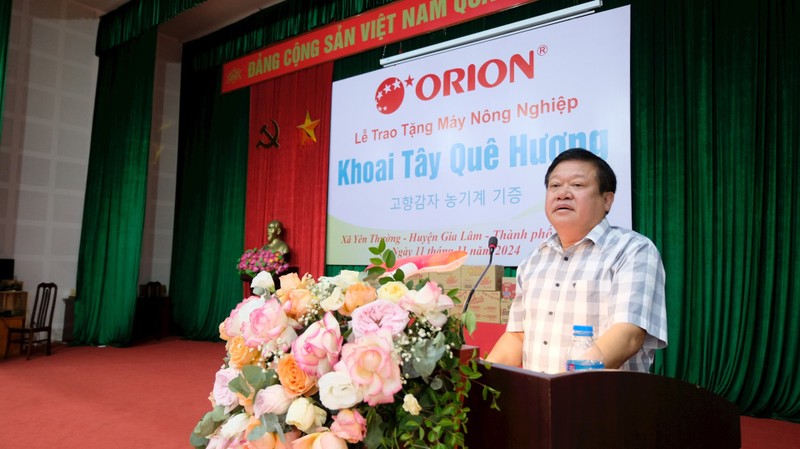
(287, 168)
(440, 153)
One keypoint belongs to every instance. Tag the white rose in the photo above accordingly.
(429, 302)
(411, 405)
(263, 280)
(334, 301)
(337, 391)
(272, 399)
(345, 279)
(235, 425)
(304, 415)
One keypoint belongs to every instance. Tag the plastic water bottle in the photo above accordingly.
(583, 353)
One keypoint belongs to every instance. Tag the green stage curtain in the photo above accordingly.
(116, 189)
(209, 212)
(5, 27)
(716, 107)
(135, 18)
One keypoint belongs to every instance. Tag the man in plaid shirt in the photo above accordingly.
(588, 273)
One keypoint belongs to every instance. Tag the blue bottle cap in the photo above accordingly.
(582, 329)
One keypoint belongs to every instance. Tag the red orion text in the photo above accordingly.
(490, 74)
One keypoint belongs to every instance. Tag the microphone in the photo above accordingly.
(492, 246)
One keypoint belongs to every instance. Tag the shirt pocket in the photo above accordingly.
(588, 301)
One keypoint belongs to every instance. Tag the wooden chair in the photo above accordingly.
(152, 318)
(40, 328)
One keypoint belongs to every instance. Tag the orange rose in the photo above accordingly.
(241, 354)
(288, 283)
(294, 380)
(298, 301)
(320, 440)
(356, 296)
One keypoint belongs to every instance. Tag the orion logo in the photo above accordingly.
(455, 81)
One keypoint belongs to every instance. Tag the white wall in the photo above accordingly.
(163, 165)
(47, 117)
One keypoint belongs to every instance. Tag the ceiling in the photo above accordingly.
(205, 18)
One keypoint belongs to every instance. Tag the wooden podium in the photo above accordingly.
(598, 409)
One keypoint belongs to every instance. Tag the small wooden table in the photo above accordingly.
(5, 323)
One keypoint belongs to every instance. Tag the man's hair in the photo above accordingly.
(605, 175)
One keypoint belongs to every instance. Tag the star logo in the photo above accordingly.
(307, 129)
(389, 95)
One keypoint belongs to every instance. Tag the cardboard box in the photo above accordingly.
(491, 280)
(415, 278)
(505, 307)
(509, 287)
(485, 305)
(448, 281)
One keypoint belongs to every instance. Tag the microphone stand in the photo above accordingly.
(492, 246)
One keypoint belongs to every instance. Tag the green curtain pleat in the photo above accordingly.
(715, 108)
(209, 217)
(135, 18)
(5, 28)
(116, 189)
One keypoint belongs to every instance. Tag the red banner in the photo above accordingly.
(287, 165)
(390, 23)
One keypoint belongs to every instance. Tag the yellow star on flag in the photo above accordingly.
(307, 129)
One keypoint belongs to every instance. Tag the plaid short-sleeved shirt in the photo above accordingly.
(612, 275)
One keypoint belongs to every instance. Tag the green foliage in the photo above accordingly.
(207, 425)
(470, 322)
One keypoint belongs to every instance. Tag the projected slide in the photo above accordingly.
(441, 153)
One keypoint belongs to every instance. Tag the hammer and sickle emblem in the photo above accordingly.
(272, 139)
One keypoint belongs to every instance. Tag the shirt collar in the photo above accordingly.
(594, 236)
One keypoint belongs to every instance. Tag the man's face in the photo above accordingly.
(574, 204)
(273, 230)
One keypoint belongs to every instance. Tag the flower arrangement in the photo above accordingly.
(256, 260)
(362, 360)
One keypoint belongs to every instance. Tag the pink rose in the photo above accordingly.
(223, 395)
(428, 302)
(269, 326)
(272, 399)
(369, 362)
(319, 440)
(317, 349)
(349, 425)
(379, 314)
(237, 321)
